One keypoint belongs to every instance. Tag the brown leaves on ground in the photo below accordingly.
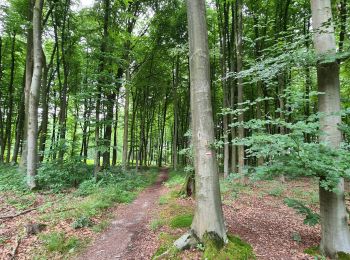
(255, 213)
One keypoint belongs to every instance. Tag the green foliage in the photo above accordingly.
(311, 218)
(11, 179)
(58, 242)
(181, 221)
(175, 178)
(87, 187)
(291, 153)
(235, 249)
(58, 175)
(82, 222)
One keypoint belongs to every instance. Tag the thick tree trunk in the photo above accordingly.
(32, 156)
(208, 212)
(334, 217)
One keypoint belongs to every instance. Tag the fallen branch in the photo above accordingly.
(18, 214)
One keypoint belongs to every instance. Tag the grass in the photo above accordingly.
(276, 191)
(100, 227)
(176, 178)
(156, 224)
(164, 199)
(58, 242)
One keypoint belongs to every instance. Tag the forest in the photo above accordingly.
(174, 129)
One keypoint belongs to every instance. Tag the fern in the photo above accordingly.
(311, 218)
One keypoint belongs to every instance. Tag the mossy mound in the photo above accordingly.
(181, 221)
(235, 249)
(343, 256)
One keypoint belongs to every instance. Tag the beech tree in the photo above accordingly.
(32, 134)
(208, 210)
(334, 216)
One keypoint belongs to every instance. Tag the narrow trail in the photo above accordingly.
(127, 231)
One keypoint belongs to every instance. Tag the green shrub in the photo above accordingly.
(87, 187)
(82, 222)
(58, 175)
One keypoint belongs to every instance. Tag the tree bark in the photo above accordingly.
(208, 210)
(8, 131)
(239, 56)
(125, 156)
(32, 156)
(335, 235)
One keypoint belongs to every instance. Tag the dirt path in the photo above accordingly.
(128, 237)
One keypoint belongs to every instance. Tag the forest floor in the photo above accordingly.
(256, 213)
(146, 228)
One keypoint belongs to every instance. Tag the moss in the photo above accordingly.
(181, 221)
(314, 251)
(343, 256)
(235, 249)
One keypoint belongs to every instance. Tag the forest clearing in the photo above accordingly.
(174, 129)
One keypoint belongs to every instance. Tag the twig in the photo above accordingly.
(18, 214)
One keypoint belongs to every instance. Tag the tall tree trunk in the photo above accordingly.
(125, 157)
(335, 235)
(208, 210)
(45, 103)
(10, 100)
(161, 147)
(34, 97)
(239, 57)
(19, 125)
(2, 142)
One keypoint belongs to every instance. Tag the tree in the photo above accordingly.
(32, 156)
(334, 217)
(208, 212)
